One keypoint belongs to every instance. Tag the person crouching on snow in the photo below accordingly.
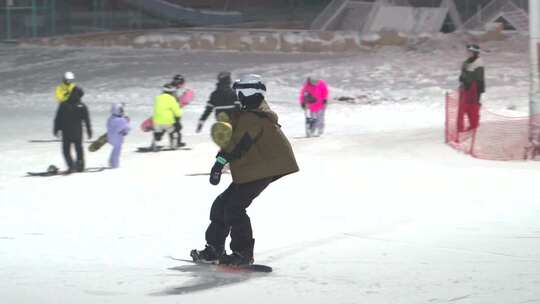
(166, 118)
(117, 128)
(472, 86)
(259, 154)
(313, 99)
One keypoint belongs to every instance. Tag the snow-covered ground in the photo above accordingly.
(381, 211)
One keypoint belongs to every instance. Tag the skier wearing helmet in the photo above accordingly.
(472, 86)
(259, 154)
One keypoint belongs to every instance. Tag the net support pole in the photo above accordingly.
(534, 92)
(534, 39)
(9, 3)
(34, 18)
(53, 16)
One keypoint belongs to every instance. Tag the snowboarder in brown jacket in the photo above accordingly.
(259, 154)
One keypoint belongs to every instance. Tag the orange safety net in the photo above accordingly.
(497, 137)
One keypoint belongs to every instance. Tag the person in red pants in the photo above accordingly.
(472, 86)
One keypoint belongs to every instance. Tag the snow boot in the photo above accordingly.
(79, 166)
(210, 254)
(172, 141)
(239, 258)
(153, 146)
(179, 142)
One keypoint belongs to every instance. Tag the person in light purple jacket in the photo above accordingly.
(117, 127)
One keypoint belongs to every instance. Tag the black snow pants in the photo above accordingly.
(228, 215)
(66, 148)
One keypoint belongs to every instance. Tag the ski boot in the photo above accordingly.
(209, 255)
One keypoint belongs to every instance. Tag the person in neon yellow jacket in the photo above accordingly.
(63, 90)
(166, 118)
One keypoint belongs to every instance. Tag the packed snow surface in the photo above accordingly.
(381, 211)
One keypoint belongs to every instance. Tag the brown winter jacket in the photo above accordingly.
(258, 149)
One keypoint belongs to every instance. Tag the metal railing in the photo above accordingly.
(489, 12)
(178, 13)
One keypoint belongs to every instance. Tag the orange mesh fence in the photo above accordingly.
(497, 137)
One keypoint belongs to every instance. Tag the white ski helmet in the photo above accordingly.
(249, 85)
(69, 76)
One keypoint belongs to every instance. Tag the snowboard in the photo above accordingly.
(54, 140)
(221, 133)
(161, 149)
(206, 173)
(98, 143)
(64, 172)
(44, 174)
(147, 125)
(186, 98)
(229, 268)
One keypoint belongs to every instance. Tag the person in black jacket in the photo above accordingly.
(222, 99)
(69, 118)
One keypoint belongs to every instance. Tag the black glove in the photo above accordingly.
(199, 126)
(56, 133)
(303, 105)
(215, 174)
(309, 98)
(325, 102)
(89, 133)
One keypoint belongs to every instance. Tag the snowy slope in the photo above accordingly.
(381, 212)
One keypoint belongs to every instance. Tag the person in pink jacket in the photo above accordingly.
(313, 99)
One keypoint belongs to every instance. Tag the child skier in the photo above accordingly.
(472, 86)
(117, 128)
(259, 154)
(313, 99)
